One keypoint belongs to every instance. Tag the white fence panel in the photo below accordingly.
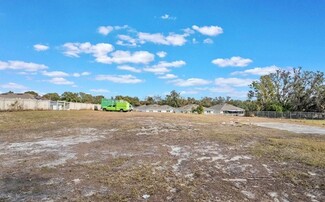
(31, 104)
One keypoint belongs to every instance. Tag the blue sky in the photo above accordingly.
(145, 48)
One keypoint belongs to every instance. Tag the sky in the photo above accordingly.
(147, 48)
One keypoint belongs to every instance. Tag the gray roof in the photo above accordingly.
(225, 107)
(154, 107)
(188, 107)
(17, 96)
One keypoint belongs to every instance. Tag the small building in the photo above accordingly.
(227, 109)
(155, 108)
(208, 111)
(187, 108)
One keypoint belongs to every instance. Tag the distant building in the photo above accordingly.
(226, 109)
(155, 108)
(187, 108)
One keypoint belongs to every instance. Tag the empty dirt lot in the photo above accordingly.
(102, 156)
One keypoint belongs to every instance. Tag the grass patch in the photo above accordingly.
(306, 150)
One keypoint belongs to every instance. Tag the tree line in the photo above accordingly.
(289, 90)
(284, 90)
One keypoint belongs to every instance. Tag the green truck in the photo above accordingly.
(116, 105)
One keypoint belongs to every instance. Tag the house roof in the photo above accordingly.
(188, 107)
(154, 107)
(226, 107)
(17, 96)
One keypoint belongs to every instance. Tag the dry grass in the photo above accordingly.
(307, 150)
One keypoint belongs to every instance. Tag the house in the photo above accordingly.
(155, 108)
(227, 109)
(187, 108)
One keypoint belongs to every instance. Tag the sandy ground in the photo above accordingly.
(98, 156)
(296, 128)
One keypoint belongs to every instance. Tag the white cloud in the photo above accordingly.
(177, 63)
(100, 90)
(161, 54)
(81, 74)
(12, 85)
(167, 17)
(129, 79)
(190, 82)
(194, 41)
(236, 82)
(120, 57)
(125, 40)
(156, 70)
(40, 47)
(258, 71)
(188, 31)
(208, 30)
(189, 92)
(55, 74)
(168, 76)
(235, 61)
(60, 81)
(129, 68)
(208, 41)
(121, 27)
(20, 65)
(158, 38)
(162, 67)
(105, 30)
(99, 50)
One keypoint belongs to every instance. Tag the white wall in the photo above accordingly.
(32, 104)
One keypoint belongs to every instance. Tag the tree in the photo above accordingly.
(294, 90)
(70, 97)
(85, 98)
(32, 93)
(51, 96)
(174, 99)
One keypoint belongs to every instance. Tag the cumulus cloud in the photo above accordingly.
(236, 82)
(260, 71)
(163, 66)
(20, 65)
(167, 17)
(13, 86)
(168, 76)
(208, 41)
(120, 57)
(81, 74)
(161, 54)
(60, 81)
(105, 30)
(156, 70)
(189, 92)
(40, 47)
(125, 40)
(128, 79)
(208, 30)
(98, 50)
(129, 68)
(55, 74)
(100, 90)
(158, 38)
(190, 82)
(235, 61)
